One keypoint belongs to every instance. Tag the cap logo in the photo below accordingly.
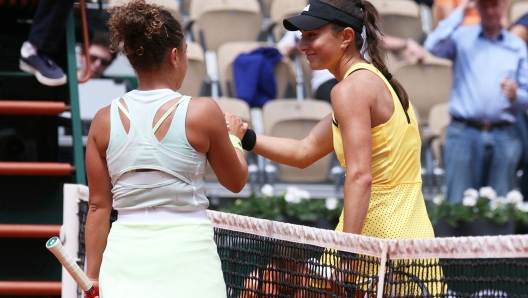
(307, 8)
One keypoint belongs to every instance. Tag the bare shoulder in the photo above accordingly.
(99, 134)
(204, 112)
(101, 120)
(203, 105)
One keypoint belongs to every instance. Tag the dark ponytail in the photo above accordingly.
(364, 10)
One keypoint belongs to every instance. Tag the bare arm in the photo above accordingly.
(413, 50)
(100, 202)
(298, 153)
(355, 124)
(207, 132)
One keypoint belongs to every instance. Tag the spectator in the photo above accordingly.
(490, 85)
(100, 56)
(520, 28)
(44, 40)
(323, 81)
(443, 8)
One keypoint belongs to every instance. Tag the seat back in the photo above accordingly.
(281, 9)
(295, 119)
(400, 18)
(517, 9)
(227, 54)
(172, 6)
(239, 108)
(427, 83)
(220, 21)
(196, 71)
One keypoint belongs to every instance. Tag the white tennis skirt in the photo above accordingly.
(161, 260)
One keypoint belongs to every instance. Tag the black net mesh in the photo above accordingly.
(258, 266)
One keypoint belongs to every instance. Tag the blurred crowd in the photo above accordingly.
(486, 139)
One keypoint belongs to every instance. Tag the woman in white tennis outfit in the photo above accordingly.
(146, 157)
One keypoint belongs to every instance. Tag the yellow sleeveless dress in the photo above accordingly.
(397, 208)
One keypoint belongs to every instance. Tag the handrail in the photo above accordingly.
(32, 288)
(25, 107)
(86, 42)
(36, 169)
(28, 231)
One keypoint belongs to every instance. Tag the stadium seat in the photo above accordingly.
(439, 119)
(281, 9)
(517, 9)
(196, 71)
(238, 107)
(214, 22)
(400, 18)
(229, 51)
(172, 6)
(295, 119)
(427, 83)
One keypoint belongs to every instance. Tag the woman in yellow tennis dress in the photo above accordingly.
(373, 127)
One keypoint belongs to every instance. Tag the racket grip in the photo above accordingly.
(55, 246)
(93, 293)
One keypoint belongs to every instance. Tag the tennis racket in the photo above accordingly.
(55, 246)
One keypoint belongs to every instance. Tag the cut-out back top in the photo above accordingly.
(148, 173)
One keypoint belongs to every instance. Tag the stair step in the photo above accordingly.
(29, 231)
(33, 288)
(36, 169)
(24, 107)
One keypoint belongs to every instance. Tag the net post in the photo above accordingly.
(383, 262)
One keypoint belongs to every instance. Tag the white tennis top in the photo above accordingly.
(175, 180)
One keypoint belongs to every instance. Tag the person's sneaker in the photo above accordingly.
(46, 71)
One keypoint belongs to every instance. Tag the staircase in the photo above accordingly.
(32, 170)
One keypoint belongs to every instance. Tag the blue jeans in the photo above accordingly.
(474, 158)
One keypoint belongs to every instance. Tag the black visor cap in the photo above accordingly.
(318, 14)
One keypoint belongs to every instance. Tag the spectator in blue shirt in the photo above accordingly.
(490, 84)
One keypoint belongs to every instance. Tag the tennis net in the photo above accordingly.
(262, 258)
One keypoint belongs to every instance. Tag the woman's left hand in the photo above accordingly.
(235, 126)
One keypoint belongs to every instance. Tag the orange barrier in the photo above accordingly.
(32, 288)
(29, 231)
(24, 107)
(36, 169)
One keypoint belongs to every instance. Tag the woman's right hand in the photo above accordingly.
(235, 126)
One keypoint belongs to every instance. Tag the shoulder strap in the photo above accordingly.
(122, 108)
(376, 71)
(169, 111)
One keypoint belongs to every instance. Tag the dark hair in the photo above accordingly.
(366, 12)
(146, 32)
(102, 39)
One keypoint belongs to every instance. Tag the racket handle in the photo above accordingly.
(55, 246)
(92, 293)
